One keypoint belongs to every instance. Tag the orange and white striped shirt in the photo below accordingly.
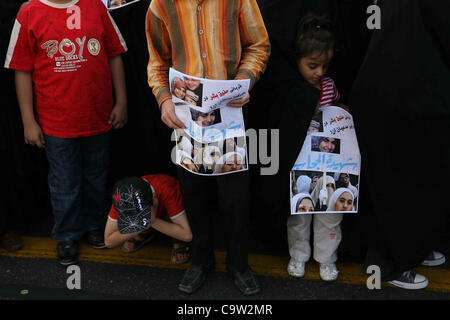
(214, 39)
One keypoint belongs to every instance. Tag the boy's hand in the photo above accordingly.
(169, 117)
(239, 103)
(33, 135)
(118, 117)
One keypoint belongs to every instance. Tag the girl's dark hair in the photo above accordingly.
(314, 34)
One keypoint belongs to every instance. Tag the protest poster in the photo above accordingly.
(325, 176)
(117, 4)
(213, 141)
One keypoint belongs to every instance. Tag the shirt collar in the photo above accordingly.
(59, 5)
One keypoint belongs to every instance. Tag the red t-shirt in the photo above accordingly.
(67, 48)
(168, 193)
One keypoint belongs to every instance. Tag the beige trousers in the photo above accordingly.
(327, 236)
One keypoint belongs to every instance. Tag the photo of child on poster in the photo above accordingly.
(205, 93)
(216, 158)
(325, 177)
(206, 119)
(312, 182)
(188, 90)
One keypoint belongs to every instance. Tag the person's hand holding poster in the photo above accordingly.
(213, 142)
(325, 177)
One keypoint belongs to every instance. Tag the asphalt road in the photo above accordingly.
(44, 278)
(38, 276)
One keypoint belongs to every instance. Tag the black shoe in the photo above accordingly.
(67, 252)
(194, 277)
(410, 280)
(246, 282)
(96, 239)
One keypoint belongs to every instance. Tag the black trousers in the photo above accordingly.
(230, 195)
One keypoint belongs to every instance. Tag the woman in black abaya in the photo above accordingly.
(401, 106)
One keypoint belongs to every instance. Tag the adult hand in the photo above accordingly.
(239, 103)
(33, 135)
(118, 117)
(169, 117)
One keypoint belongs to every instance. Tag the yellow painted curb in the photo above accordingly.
(157, 256)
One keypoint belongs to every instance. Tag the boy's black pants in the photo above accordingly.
(230, 194)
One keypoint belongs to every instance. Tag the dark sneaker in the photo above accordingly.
(96, 239)
(246, 282)
(410, 280)
(434, 259)
(194, 278)
(67, 252)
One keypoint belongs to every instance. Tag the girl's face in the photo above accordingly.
(232, 164)
(180, 92)
(327, 145)
(305, 205)
(344, 202)
(207, 120)
(314, 66)
(345, 179)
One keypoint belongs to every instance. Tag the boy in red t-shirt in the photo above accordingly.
(141, 203)
(66, 54)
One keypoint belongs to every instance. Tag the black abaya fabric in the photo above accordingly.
(24, 191)
(401, 107)
(143, 146)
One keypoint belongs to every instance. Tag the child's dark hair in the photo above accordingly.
(314, 34)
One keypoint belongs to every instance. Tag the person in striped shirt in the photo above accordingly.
(314, 51)
(213, 39)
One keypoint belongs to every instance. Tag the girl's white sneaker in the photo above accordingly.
(328, 272)
(296, 268)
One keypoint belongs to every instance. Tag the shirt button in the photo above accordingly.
(204, 55)
(201, 31)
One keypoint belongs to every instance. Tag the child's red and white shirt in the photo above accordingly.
(329, 93)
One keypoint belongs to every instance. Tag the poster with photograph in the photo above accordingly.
(214, 140)
(215, 158)
(325, 176)
(117, 4)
